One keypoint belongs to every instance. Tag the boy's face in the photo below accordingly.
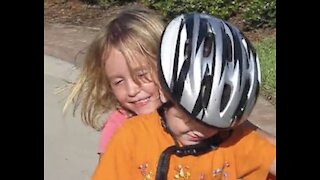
(186, 130)
(140, 98)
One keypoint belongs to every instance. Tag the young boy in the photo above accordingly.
(209, 75)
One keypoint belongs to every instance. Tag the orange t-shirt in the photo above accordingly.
(134, 151)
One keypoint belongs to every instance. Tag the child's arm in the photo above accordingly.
(115, 163)
(269, 138)
(272, 140)
(113, 123)
(273, 168)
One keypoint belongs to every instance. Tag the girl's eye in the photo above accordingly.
(118, 82)
(142, 73)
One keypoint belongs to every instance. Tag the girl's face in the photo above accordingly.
(139, 98)
(186, 130)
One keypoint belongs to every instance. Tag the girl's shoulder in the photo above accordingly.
(117, 113)
(115, 116)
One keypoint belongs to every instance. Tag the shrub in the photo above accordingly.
(259, 13)
(255, 13)
(172, 8)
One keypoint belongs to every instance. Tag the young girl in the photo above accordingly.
(119, 71)
(209, 75)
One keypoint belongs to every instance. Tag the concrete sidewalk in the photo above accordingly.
(70, 147)
(70, 151)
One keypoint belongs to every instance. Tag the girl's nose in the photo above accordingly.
(133, 88)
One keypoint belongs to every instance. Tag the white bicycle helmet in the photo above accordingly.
(210, 69)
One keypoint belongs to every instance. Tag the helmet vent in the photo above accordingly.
(225, 96)
(208, 42)
(187, 49)
(227, 48)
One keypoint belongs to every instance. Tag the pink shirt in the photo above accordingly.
(113, 123)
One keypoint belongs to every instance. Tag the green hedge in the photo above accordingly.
(255, 13)
(171, 8)
(259, 13)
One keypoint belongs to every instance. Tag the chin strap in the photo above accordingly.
(161, 111)
(193, 150)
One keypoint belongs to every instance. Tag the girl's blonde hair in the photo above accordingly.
(133, 31)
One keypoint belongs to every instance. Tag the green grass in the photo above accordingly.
(266, 50)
